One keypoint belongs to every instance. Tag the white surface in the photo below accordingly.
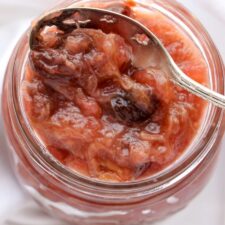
(206, 209)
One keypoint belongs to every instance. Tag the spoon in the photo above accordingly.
(147, 48)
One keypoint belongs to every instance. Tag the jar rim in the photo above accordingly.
(152, 184)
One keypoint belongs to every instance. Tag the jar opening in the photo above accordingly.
(184, 165)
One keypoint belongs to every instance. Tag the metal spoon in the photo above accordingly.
(147, 48)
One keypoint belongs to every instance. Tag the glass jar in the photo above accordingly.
(78, 199)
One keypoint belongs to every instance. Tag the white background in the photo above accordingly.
(208, 207)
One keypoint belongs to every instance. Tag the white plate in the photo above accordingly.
(208, 207)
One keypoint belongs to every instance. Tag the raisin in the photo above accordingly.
(127, 111)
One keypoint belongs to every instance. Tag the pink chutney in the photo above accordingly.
(100, 116)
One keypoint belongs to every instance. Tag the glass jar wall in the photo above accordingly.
(79, 199)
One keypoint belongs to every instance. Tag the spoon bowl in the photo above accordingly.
(147, 49)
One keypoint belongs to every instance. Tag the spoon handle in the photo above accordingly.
(196, 88)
